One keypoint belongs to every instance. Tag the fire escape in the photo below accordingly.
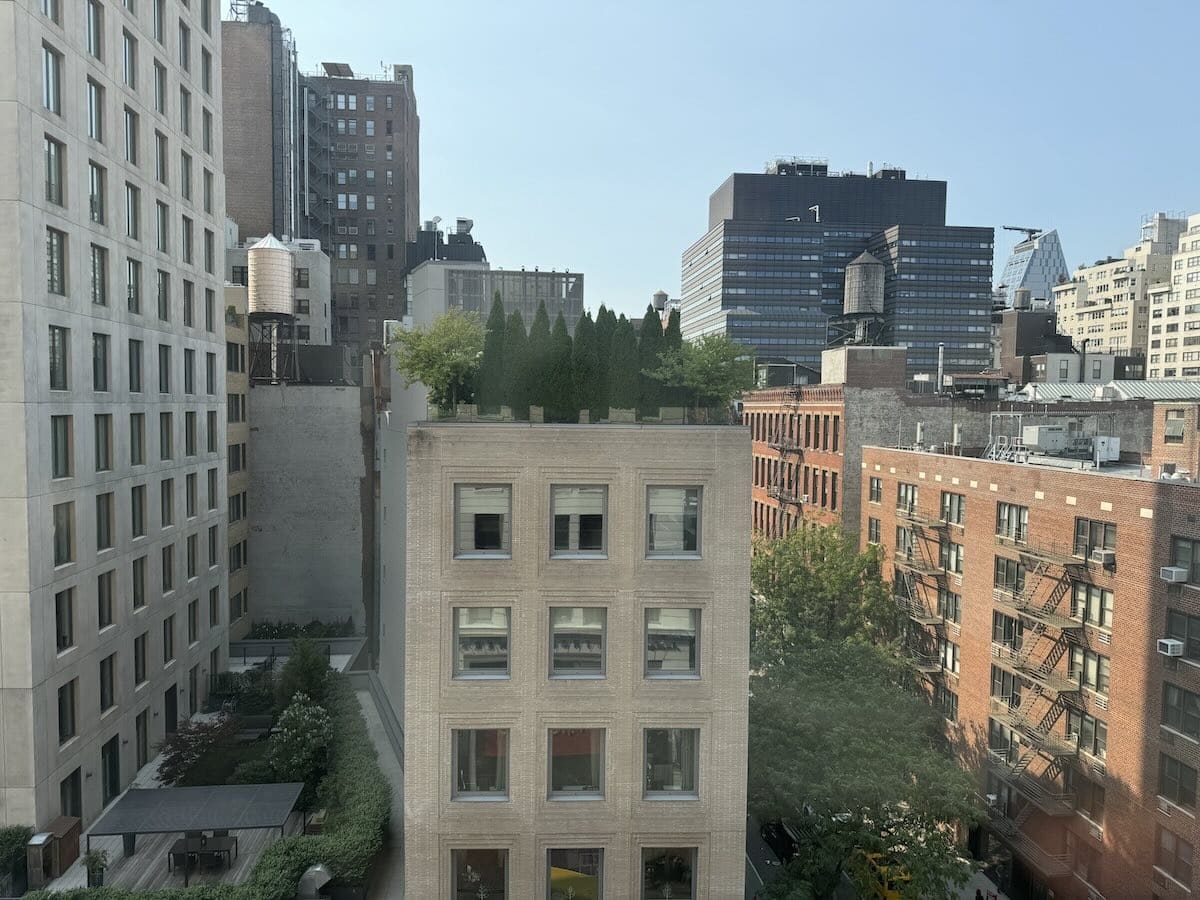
(784, 488)
(1035, 763)
(917, 576)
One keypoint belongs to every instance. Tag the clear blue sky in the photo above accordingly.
(588, 135)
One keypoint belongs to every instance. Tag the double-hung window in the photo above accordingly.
(482, 526)
(673, 521)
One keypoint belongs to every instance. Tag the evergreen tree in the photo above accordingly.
(673, 395)
(489, 381)
(515, 358)
(606, 323)
(560, 384)
(585, 367)
(537, 363)
(623, 367)
(650, 346)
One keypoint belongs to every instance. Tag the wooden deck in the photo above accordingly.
(147, 868)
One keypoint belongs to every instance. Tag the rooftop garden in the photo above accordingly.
(607, 372)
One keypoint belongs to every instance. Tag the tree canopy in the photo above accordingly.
(443, 357)
(713, 369)
(650, 347)
(622, 367)
(489, 380)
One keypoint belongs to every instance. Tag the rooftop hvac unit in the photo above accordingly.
(1170, 647)
(1173, 574)
(1106, 558)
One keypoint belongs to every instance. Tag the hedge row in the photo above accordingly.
(359, 801)
(278, 631)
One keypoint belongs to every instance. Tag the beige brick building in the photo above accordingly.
(575, 684)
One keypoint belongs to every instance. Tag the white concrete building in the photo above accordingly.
(112, 468)
(1173, 349)
(1107, 304)
(571, 607)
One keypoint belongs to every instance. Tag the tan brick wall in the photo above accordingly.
(1146, 514)
(627, 459)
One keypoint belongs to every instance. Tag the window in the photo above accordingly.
(185, 175)
(51, 79)
(64, 619)
(189, 370)
(59, 358)
(672, 762)
(56, 261)
(193, 622)
(185, 110)
(672, 643)
(1089, 796)
(1181, 710)
(166, 436)
(212, 491)
(672, 521)
(189, 436)
(1176, 781)
(164, 371)
(1094, 605)
(70, 794)
(576, 763)
(1091, 535)
(1088, 733)
(577, 638)
(162, 167)
(95, 29)
(163, 294)
(206, 125)
(52, 11)
(950, 556)
(578, 515)
(1012, 522)
(872, 530)
(159, 19)
(206, 71)
(168, 568)
(137, 505)
(191, 557)
(100, 365)
(66, 710)
(481, 640)
(906, 497)
(131, 136)
(107, 674)
(954, 508)
(129, 59)
(62, 453)
(135, 367)
(139, 658)
(138, 576)
(208, 197)
(160, 88)
(214, 548)
(1009, 576)
(479, 873)
(137, 439)
(185, 47)
(1173, 855)
(668, 873)
(168, 639)
(1185, 553)
(1173, 425)
(481, 514)
(104, 521)
(1090, 669)
(480, 763)
(162, 226)
(210, 373)
(133, 215)
(54, 154)
(948, 655)
(949, 605)
(64, 534)
(97, 193)
(166, 489)
(573, 872)
(214, 611)
(946, 701)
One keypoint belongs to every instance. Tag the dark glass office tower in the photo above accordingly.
(770, 271)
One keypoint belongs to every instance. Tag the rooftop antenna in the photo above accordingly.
(817, 211)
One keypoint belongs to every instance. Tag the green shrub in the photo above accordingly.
(305, 672)
(359, 803)
(282, 631)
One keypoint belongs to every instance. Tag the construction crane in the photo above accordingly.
(1030, 233)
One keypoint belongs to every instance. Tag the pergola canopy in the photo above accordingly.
(181, 809)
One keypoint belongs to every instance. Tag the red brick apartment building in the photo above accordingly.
(1055, 611)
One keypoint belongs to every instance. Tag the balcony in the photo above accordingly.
(1021, 661)
(1051, 744)
(1025, 608)
(1043, 796)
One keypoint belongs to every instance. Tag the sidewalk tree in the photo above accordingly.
(444, 357)
(489, 380)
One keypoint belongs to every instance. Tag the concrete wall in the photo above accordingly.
(626, 583)
(306, 526)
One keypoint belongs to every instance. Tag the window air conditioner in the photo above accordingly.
(1173, 574)
(1170, 647)
(1104, 557)
(804, 498)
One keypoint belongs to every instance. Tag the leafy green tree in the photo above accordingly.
(713, 369)
(489, 380)
(585, 367)
(816, 585)
(537, 362)
(443, 357)
(516, 352)
(300, 743)
(305, 672)
(673, 395)
(650, 347)
(606, 325)
(560, 380)
(841, 747)
(190, 741)
(622, 367)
